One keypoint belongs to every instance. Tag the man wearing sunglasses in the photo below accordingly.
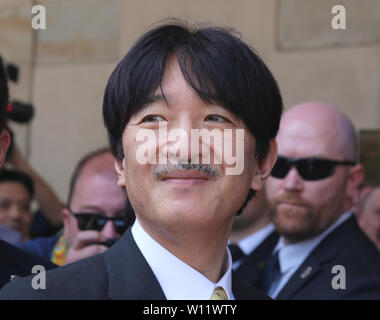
(322, 253)
(95, 216)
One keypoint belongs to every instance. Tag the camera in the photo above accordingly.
(17, 111)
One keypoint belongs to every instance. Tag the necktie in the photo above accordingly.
(236, 252)
(271, 273)
(219, 294)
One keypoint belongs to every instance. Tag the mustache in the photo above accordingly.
(290, 198)
(204, 168)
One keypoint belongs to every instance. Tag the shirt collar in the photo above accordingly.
(250, 243)
(178, 280)
(292, 255)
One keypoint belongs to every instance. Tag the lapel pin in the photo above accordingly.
(13, 276)
(306, 272)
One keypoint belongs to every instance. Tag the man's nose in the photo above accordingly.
(293, 181)
(109, 230)
(179, 146)
(15, 212)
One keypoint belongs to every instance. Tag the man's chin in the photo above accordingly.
(292, 225)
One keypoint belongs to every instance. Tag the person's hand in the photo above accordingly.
(86, 245)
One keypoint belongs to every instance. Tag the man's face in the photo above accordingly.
(302, 209)
(15, 211)
(96, 193)
(182, 201)
(370, 217)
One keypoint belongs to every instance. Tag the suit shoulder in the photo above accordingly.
(84, 279)
(362, 254)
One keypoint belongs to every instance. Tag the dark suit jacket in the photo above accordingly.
(347, 246)
(257, 260)
(120, 273)
(14, 261)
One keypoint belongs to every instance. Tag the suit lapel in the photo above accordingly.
(323, 253)
(129, 275)
(300, 278)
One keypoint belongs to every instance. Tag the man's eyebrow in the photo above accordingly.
(155, 97)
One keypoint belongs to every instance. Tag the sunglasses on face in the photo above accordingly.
(310, 169)
(97, 221)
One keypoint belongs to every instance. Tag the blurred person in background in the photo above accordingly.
(95, 215)
(47, 219)
(16, 195)
(13, 261)
(368, 213)
(252, 233)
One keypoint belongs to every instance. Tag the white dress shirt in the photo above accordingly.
(251, 242)
(292, 255)
(177, 279)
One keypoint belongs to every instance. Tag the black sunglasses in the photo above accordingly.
(97, 221)
(310, 169)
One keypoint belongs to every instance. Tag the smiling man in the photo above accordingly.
(180, 78)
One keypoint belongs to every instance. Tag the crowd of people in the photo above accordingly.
(296, 223)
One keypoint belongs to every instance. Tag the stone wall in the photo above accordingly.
(64, 68)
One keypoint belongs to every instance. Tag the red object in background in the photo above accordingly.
(10, 107)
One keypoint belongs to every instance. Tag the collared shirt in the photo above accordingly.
(178, 280)
(291, 256)
(251, 242)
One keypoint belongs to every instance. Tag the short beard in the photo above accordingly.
(291, 233)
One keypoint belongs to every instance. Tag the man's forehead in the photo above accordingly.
(303, 139)
(12, 185)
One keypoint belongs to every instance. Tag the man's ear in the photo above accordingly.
(355, 178)
(119, 167)
(264, 167)
(66, 225)
(5, 140)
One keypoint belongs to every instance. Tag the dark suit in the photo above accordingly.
(120, 273)
(14, 261)
(346, 246)
(257, 260)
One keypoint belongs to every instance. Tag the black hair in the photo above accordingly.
(217, 64)
(7, 175)
(129, 213)
(4, 95)
(79, 169)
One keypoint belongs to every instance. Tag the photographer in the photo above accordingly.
(48, 219)
(13, 262)
(95, 215)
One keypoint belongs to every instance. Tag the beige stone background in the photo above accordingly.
(64, 68)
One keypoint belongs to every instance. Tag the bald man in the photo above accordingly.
(95, 214)
(321, 253)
